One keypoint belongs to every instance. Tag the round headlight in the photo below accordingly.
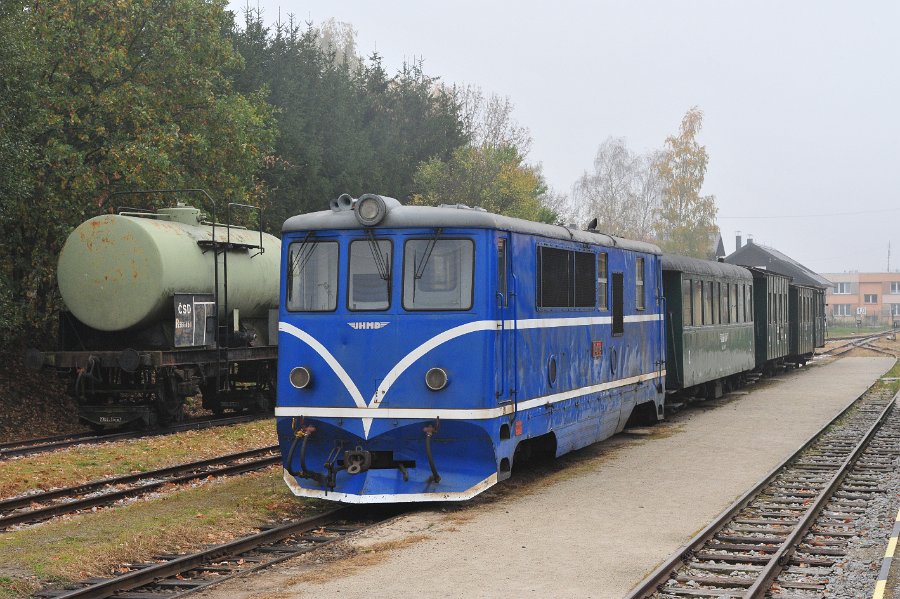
(300, 377)
(436, 379)
(370, 210)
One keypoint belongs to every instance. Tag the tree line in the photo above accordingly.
(99, 96)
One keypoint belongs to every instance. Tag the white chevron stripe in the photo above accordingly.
(461, 414)
(424, 348)
(329, 359)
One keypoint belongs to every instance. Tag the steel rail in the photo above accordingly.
(34, 446)
(150, 574)
(32, 442)
(789, 546)
(667, 569)
(194, 471)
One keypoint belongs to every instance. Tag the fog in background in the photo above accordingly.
(801, 100)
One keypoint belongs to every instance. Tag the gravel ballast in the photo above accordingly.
(601, 521)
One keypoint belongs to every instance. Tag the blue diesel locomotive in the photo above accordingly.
(423, 350)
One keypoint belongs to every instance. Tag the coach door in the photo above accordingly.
(505, 298)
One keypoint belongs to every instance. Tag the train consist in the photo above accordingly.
(423, 350)
(144, 292)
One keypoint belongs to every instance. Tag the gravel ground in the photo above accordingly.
(592, 524)
(858, 572)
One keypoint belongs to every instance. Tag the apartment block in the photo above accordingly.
(871, 297)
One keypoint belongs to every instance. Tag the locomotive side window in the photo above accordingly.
(585, 288)
(603, 280)
(369, 276)
(686, 309)
(437, 274)
(640, 302)
(618, 304)
(566, 279)
(312, 276)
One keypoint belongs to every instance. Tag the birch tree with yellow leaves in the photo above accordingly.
(686, 222)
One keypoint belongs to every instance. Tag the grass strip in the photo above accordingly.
(96, 544)
(81, 464)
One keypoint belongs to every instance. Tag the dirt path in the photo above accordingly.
(593, 524)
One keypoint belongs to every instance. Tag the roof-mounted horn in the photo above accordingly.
(343, 203)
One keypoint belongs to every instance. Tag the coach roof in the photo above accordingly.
(458, 216)
(696, 266)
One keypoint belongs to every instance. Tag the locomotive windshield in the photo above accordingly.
(437, 274)
(312, 276)
(369, 278)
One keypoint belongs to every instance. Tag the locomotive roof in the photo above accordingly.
(458, 216)
(696, 266)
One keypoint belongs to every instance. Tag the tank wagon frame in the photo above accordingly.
(152, 336)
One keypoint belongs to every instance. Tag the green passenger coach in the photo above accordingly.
(771, 318)
(709, 334)
(802, 314)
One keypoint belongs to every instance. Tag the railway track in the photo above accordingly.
(36, 507)
(33, 446)
(857, 342)
(178, 575)
(783, 537)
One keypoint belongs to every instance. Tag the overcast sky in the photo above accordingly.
(801, 99)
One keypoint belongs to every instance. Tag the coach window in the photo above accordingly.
(369, 276)
(707, 302)
(698, 302)
(640, 302)
(748, 305)
(717, 303)
(733, 303)
(312, 276)
(739, 312)
(726, 307)
(686, 310)
(603, 280)
(437, 274)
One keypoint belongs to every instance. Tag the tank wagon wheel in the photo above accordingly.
(169, 404)
(210, 396)
(265, 394)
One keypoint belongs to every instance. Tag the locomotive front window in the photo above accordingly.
(312, 276)
(438, 274)
(369, 276)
